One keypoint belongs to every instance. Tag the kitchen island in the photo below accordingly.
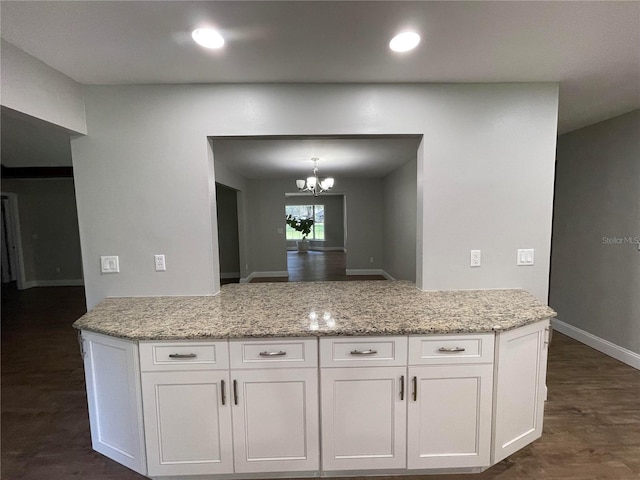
(315, 379)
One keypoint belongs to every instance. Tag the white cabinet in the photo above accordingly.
(405, 404)
(521, 366)
(112, 374)
(363, 418)
(187, 411)
(449, 414)
(275, 405)
(364, 413)
(275, 420)
(449, 405)
(202, 418)
(188, 422)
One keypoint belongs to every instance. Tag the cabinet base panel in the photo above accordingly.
(331, 474)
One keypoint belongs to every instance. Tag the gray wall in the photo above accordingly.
(399, 222)
(228, 238)
(334, 219)
(265, 216)
(486, 170)
(49, 230)
(595, 281)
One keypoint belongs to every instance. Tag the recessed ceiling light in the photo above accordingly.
(208, 38)
(405, 41)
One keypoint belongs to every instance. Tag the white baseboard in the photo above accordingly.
(230, 275)
(320, 249)
(73, 282)
(619, 353)
(252, 275)
(369, 271)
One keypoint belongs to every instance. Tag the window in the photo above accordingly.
(307, 211)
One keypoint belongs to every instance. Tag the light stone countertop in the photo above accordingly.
(283, 310)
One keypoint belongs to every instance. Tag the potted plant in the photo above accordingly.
(302, 225)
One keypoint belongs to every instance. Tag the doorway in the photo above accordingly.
(324, 256)
(228, 237)
(11, 256)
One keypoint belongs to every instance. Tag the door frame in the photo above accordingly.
(15, 236)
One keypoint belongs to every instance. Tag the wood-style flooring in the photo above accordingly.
(592, 416)
(313, 266)
(317, 267)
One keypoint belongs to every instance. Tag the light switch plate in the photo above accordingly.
(109, 264)
(525, 256)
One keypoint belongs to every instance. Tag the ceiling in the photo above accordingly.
(30, 142)
(591, 48)
(272, 157)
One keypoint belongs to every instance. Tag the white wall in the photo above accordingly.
(143, 175)
(32, 87)
(399, 196)
(595, 279)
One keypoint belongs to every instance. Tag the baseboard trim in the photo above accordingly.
(369, 271)
(73, 282)
(611, 349)
(230, 275)
(320, 249)
(252, 275)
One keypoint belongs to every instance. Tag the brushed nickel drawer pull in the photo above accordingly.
(451, 349)
(182, 355)
(273, 354)
(364, 352)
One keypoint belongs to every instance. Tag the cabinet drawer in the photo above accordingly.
(274, 353)
(451, 349)
(363, 351)
(186, 355)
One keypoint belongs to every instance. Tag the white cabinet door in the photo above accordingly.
(521, 366)
(449, 414)
(188, 422)
(112, 373)
(275, 420)
(363, 418)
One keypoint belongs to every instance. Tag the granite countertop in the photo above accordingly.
(285, 310)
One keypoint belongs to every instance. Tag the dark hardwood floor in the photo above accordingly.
(592, 417)
(317, 267)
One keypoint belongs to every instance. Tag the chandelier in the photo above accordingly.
(313, 184)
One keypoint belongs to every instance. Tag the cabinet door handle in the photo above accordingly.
(222, 392)
(451, 349)
(364, 352)
(273, 354)
(235, 392)
(402, 387)
(415, 388)
(182, 355)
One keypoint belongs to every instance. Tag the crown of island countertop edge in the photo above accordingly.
(285, 310)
